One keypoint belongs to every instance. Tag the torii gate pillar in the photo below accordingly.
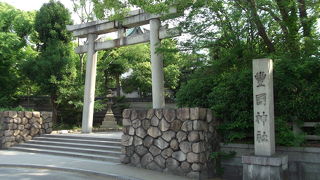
(90, 83)
(158, 100)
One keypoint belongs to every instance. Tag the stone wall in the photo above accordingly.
(178, 141)
(20, 126)
(304, 162)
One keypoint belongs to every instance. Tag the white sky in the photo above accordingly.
(29, 5)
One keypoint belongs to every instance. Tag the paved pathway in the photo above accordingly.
(41, 174)
(16, 165)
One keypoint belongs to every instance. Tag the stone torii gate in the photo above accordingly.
(135, 18)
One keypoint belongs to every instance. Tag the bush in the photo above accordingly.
(284, 134)
(18, 108)
(297, 84)
(231, 100)
(195, 92)
(229, 94)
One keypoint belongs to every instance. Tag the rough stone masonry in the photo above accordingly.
(178, 141)
(20, 126)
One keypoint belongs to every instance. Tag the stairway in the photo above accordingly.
(94, 148)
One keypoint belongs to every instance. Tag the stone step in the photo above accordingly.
(64, 144)
(71, 150)
(81, 141)
(71, 154)
(81, 137)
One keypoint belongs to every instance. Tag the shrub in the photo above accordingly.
(229, 94)
(18, 108)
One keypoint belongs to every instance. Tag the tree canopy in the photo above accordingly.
(234, 33)
(55, 62)
(16, 29)
(223, 38)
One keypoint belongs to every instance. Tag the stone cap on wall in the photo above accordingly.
(170, 113)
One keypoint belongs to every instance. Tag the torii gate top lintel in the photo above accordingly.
(133, 19)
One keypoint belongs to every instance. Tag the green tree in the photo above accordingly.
(136, 60)
(139, 80)
(55, 62)
(51, 22)
(234, 33)
(15, 31)
(224, 37)
(138, 57)
(84, 10)
(111, 9)
(113, 64)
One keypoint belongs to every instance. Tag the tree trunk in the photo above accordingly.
(261, 29)
(81, 56)
(106, 79)
(118, 85)
(277, 19)
(288, 11)
(304, 18)
(54, 109)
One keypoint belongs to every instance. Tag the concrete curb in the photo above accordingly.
(72, 170)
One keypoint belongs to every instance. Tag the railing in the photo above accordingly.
(297, 129)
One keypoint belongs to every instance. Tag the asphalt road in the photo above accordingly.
(43, 174)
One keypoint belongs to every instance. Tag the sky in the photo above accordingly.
(29, 5)
(26, 5)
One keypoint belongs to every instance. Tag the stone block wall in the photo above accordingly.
(21, 126)
(178, 141)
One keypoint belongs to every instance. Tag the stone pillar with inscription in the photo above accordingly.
(263, 107)
(265, 163)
